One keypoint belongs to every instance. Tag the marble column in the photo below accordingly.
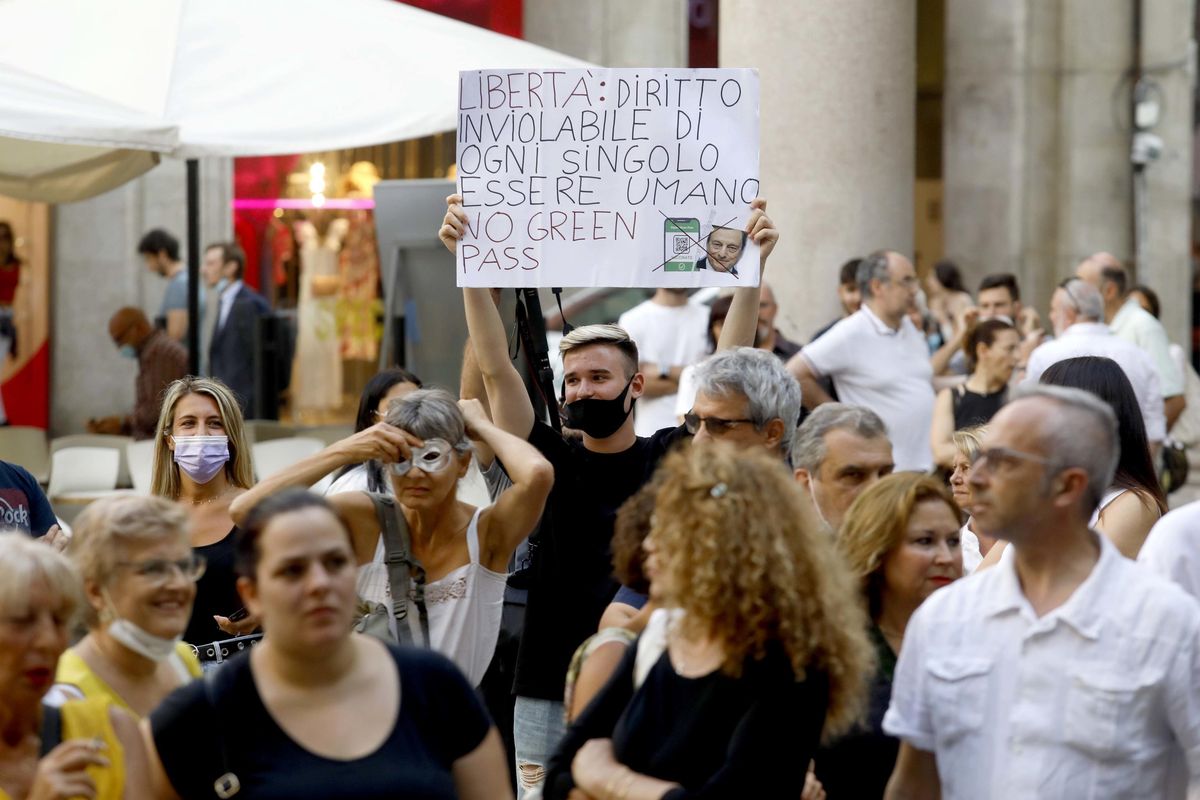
(837, 151)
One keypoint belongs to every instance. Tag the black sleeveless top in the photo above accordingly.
(975, 409)
(439, 721)
(216, 592)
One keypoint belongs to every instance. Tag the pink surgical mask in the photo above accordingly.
(201, 457)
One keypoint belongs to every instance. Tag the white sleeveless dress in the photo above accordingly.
(464, 608)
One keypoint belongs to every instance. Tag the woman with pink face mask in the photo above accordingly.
(202, 462)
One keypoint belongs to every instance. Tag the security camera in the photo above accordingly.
(1146, 148)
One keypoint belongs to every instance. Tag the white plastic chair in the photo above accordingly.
(140, 456)
(276, 455)
(83, 471)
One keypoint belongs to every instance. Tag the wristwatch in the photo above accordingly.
(664, 371)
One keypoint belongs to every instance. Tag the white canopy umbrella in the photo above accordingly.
(124, 79)
(65, 144)
(243, 77)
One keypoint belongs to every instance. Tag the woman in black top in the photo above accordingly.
(727, 692)
(901, 538)
(315, 711)
(991, 351)
(202, 462)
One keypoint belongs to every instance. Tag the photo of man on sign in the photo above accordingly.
(723, 248)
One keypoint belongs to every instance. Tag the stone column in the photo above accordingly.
(612, 33)
(1037, 140)
(837, 117)
(97, 270)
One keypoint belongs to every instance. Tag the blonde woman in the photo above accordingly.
(139, 580)
(85, 748)
(764, 646)
(901, 539)
(975, 545)
(202, 462)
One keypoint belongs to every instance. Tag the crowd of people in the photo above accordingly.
(925, 554)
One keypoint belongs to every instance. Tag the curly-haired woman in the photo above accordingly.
(763, 648)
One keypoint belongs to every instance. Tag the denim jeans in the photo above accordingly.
(537, 729)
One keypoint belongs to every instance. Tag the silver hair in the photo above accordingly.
(431, 414)
(872, 267)
(1085, 299)
(808, 443)
(1082, 434)
(770, 390)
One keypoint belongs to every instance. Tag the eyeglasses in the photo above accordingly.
(714, 425)
(908, 282)
(161, 570)
(1002, 458)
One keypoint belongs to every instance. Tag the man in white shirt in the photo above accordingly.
(1173, 548)
(1066, 671)
(1076, 312)
(1128, 320)
(878, 359)
(671, 332)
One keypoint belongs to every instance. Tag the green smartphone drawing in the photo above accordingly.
(681, 235)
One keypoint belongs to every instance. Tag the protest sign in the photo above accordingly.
(608, 177)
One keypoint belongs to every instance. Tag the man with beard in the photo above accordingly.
(571, 582)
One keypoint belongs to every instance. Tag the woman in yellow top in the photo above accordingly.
(139, 578)
(86, 748)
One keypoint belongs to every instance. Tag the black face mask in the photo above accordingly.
(598, 418)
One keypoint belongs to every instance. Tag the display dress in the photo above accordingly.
(360, 303)
(317, 371)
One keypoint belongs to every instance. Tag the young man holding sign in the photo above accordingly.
(572, 583)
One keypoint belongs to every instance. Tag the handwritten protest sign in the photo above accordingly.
(608, 177)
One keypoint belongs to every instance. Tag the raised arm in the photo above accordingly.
(517, 510)
(470, 387)
(742, 320)
(510, 405)
(381, 441)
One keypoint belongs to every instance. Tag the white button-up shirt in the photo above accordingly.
(1095, 339)
(1097, 700)
(1138, 326)
(227, 298)
(1173, 548)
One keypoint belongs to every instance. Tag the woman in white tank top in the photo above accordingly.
(464, 550)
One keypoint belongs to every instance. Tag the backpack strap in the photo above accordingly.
(406, 576)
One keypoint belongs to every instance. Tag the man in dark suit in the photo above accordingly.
(231, 349)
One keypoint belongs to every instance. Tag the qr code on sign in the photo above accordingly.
(682, 243)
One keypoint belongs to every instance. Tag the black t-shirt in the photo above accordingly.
(716, 736)
(571, 579)
(440, 721)
(216, 592)
(23, 504)
(859, 763)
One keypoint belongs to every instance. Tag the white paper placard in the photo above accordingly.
(608, 177)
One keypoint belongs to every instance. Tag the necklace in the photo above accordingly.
(208, 500)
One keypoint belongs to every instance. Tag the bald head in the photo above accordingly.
(129, 325)
(1105, 272)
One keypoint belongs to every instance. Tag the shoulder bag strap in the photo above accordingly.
(227, 784)
(51, 732)
(402, 569)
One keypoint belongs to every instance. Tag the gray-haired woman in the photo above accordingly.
(464, 550)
